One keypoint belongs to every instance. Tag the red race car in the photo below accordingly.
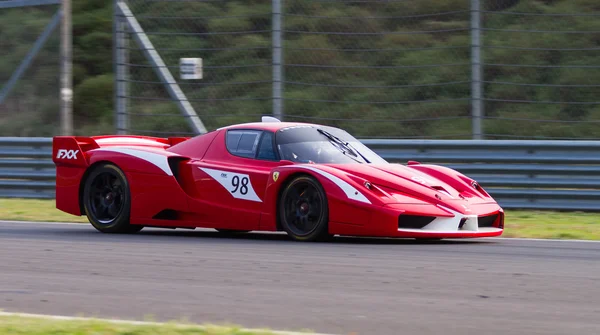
(309, 180)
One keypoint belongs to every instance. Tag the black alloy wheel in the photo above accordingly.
(303, 210)
(107, 200)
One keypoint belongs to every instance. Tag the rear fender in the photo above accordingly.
(69, 154)
(74, 155)
(137, 160)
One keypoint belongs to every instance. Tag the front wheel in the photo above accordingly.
(303, 210)
(107, 201)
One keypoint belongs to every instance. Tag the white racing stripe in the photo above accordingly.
(456, 232)
(159, 160)
(129, 141)
(141, 323)
(350, 191)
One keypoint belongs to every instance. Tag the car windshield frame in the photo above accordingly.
(323, 145)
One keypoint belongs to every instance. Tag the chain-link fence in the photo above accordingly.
(381, 69)
(234, 41)
(29, 69)
(541, 69)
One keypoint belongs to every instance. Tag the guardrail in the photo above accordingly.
(26, 168)
(558, 175)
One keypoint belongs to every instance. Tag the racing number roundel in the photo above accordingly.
(237, 184)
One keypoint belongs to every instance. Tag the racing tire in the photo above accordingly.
(107, 200)
(303, 210)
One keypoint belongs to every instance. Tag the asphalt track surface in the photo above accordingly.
(366, 286)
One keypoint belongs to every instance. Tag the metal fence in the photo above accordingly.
(26, 168)
(452, 69)
(29, 67)
(558, 175)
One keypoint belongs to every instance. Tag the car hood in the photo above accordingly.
(431, 184)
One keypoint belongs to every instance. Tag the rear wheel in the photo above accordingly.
(303, 210)
(107, 201)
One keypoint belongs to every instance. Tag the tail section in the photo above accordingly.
(71, 156)
(68, 154)
(70, 150)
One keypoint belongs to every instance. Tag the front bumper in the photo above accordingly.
(428, 221)
(484, 224)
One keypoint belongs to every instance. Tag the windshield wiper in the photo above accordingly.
(347, 146)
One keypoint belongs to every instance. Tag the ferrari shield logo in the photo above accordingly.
(275, 175)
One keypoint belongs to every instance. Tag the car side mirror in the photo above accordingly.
(286, 162)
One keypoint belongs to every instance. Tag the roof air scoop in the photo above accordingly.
(269, 119)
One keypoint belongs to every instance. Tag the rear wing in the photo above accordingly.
(70, 150)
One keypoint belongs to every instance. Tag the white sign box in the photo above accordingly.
(190, 68)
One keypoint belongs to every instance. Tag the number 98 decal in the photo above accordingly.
(237, 184)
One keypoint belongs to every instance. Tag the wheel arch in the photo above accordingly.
(320, 232)
(282, 187)
(85, 176)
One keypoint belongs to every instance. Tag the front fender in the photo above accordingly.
(457, 180)
(349, 200)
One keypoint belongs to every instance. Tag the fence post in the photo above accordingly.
(120, 69)
(476, 74)
(66, 64)
(277, 60)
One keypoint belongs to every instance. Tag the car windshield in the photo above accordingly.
(323, 145)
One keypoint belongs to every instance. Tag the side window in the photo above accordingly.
(266, 149)
(243, 143)
(233, 138)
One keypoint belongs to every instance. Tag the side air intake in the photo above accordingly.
(174, 162)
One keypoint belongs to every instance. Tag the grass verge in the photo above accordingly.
(27, 325)
(554, 225)
(519, 223)
(35, 210)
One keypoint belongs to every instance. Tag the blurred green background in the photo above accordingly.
(393, 69)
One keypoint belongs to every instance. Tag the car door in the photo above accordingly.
(232, 177)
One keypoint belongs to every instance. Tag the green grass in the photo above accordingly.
(35, 210)
(519, 223)
(556, 225)
(25, 325)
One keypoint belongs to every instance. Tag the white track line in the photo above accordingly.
(141, 323)
(84, 224)
(46, 223)
(538, 239)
